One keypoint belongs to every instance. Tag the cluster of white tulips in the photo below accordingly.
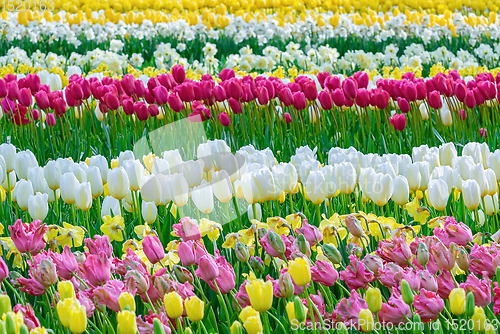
(253, 175)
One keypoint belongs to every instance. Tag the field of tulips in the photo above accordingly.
(180, 167)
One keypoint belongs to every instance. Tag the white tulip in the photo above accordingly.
(477, 173)
(100, 162)
(52, 195)
(151, 189)
(193, 172)
(438, 194)
(464, 165)
(259, 186)
(3, 169)
(149, 212)
(124, 156)
(23, 191)
(52, 174)
(316, 187)
(69, 183)
(386, 168)
(179, 189)
(330, 180)
(484, 149)
(401, 193)
(35, 175)
(432, 159)
(365, 178)
(65, 165)
(381, 188)
(307, 167)
(160, 166)
(204, 153)
(444, 173)
(118, 183)
(95, 180)
(447, 152)
(412, 175)
(446, 117)
(233, 164)
(490, 204)
(78, 172)
(473, 150)
(221, 186)
(135, 172)
(24, 160)
(423, 167)
(8, 152)
(471, 193)
(11, 178)
(110, 207)
(203, 197)
(174, 160)
(38, 206)
(286, 177)
(491, 181)
(494, 163)
(346, 177)
(418, 153)
(258, 212)
(403, 161)
(424, 111)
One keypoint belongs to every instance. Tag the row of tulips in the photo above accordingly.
(282, 275)
(381, 113)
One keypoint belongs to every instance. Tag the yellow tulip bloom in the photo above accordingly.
(126, 299)
(300, 270)
(173, 305)
(126, 322)
(195, 308)
(260, 294)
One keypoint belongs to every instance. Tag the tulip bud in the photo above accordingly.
(10, 323)
(373, 298)
(300, 314)
(2, 327)
(182, 274)
(236, 328)
(418, 326)
(286, 285)
(66, 290)
(303, 244)
(353, 248)
(479, 320)
(188, 331)
(457, 301)
(261, 232)
(463, 260)
(5, 304)
(354, 226)
(406, 292)
(332, 253)
(366, 321)
(276, 242)
(241, 251)
(469, 305)
(422, 254)
(158, 326)
(257, 264)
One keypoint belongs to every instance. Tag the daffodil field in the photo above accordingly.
(256, 166)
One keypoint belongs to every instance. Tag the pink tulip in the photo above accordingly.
(42, 100)
(350, 88)
(338, 97)
(66, 263)
(128, 106)
(97, 269)
(140, 90)
(25, 98)
(348, 308)
(235, 105)
(310, 91)
(462, 114)
(428, 281)
(137, 281)
(219, 93)
(312, 234)
(43, 270)
(128, 84)
(483, 133)
(434, 100)
(428, 305)
(59, 107)
(186, 91)
(480, 288)
(224, 119)
(28, 238)
(442, 255)
(452, 231)
(84, 299)
(29, 317)
(288, 118)
(13, 90)
(30, 286)
(362, 98)
(187, 229)
(186, 253)
(51, 120)
(3, 89)
(4, 270)
(395, 311)
(445, 284)
(421, 91)
(153, 110)
(179, 73)
(478, 97)
(207, 269)
(299, 101)
(374, 263)
(395, 250)
(153, 249)
(242, 297)
(324, 273)
(112, 101)
(460, 91)
(99, 244)
(390, 275)
(76, 91)
(332, 83)
(403, 104)
(325, 99)
(141, 110)
(470, 100)
(262, 96)
(226, 280)
(109, 293)
(234, 89)
(285, 96)
(362, 79)
(268, 247)
(356, 275)
(175, 102)
(161, 95)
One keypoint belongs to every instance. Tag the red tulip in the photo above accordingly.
(288, 118)
(434, 100)
(362, 98)
(235, 105)
(175, 102)
(153, 110)
(285, 96)
(128, 84)
(51, 120)
(403, 104)
(470, 100)
(262, 96)
(398, 121)
(161, 95)
(141, 111)
(338, 97)
(325, 99)
(350, 88)
(299, 101)
(179, 73)
(112, 101)
(25, 98)
(224, 118)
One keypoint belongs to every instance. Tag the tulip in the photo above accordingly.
(38, 206)
(221, 186)
(186, 253)
(126, 322)
(254, 212)
(78, 319)
(135, 173)
(471, 194)
(428, 305)
(366, 321)
(479, 322)
(126, 300)
(203, 197)
(118, 183)
(434, 100)
(97, 268)
(324, 273)
(180, 189)
(346, 177)
(381, 189)
(149, 211)
(207, 268)
(153, 249)
(457, 301)
(373, 298)
(438, 194)
(286, 177)
(95, 180)
(100, 162)
(22, 192)
(260, 294)
(401, 192)
(446, 117)
(194, 308)
(293, 316)
(35, 175)
(83, 196)
(173, 305)
(398, 121)
(354, 226)
(300, 270)
(224, 119)
(66, 290)
(110, 207)
(325, 99)
(315, 187)
(24, 160)
(8, 151)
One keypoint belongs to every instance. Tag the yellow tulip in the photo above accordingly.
(195, 308)
(300, 270)
(290, 311)
(479, 319)
(126, 299)
(78, 319)
(457, 301)
(63, 310)
(251, 320)
(366, 321)
(126, 322)
(260, 294)
(39, 330)
(373, 298)
(173, 305)
(66, 290)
